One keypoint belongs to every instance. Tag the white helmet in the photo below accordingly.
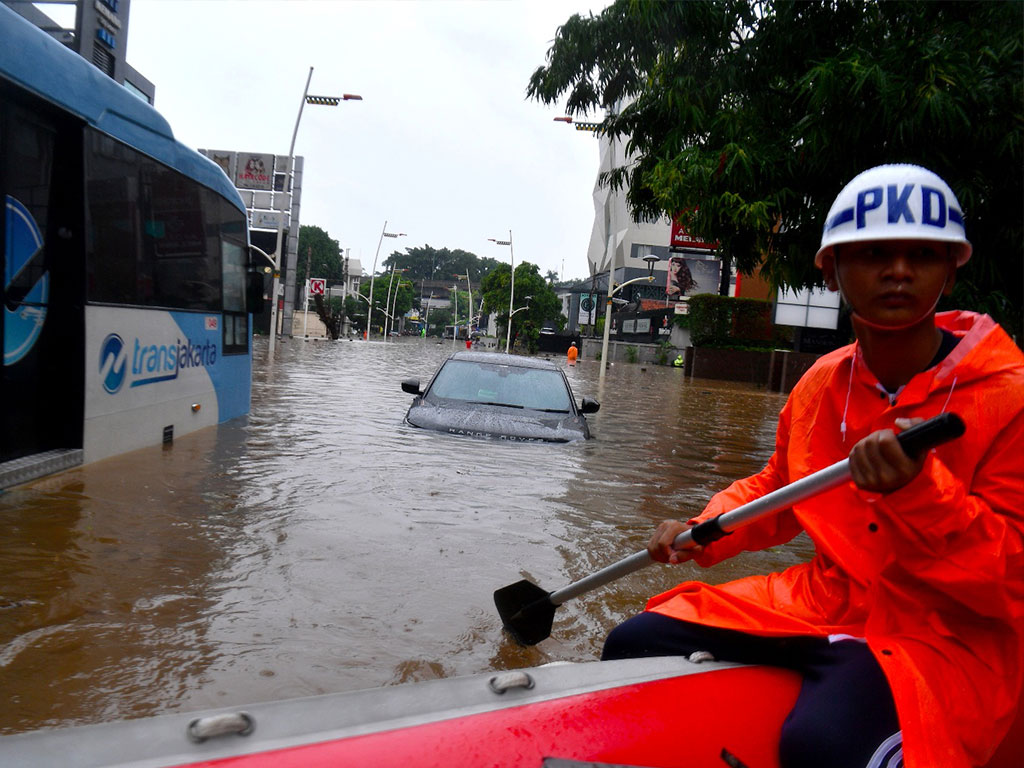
(896, 202)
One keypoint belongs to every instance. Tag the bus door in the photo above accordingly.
(42, 379)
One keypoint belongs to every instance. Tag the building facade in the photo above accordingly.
(618, 243)
(99, 33)
(272, 197)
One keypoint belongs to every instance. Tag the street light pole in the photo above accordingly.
(610, 249)
(373, 274)
(394, 300)
(512, 287)
(330, 101)
(455, 319)
(387, 301)
(469, 322)
(651, 260)
(525, 306)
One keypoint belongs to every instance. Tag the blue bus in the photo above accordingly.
(126, 295)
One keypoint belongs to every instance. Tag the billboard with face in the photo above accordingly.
(688, 277)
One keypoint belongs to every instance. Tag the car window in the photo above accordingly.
(473, 382)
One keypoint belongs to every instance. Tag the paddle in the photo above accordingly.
(527, 611)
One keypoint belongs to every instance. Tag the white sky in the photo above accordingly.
(444, 146)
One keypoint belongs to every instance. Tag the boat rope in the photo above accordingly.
(698, 656)
(203, 728)
(505, 680)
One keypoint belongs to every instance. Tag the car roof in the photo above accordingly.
(500, 358)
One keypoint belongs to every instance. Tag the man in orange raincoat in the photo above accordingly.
(572, 354)
(908, 623)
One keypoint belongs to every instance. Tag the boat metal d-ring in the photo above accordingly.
(515, 679)
(203, 728)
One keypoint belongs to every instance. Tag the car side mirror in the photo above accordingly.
(412, 386)
(254, 293)
(589, 405)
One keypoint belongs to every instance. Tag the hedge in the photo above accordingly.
(727, 322)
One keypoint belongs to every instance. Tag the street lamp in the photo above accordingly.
(387, 303)
(525, 306)
(373, 272)
(651, 260)
(455, 318)
(510, 314)
(469, 290)
(426, 315)
(331, 101)
(394, 301)
(580, 125)
(512, 287)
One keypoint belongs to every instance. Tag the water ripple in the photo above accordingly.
(321, 544)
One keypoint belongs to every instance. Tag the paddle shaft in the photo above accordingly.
(913, 441)
(776, 501)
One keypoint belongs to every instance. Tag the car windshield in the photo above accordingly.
(506, 385)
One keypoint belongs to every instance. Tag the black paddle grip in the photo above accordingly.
(928, 434)
(708, 531)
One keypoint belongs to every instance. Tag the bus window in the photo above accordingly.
(155, 237)
(179, 256)
(111, 231)
(236, 320)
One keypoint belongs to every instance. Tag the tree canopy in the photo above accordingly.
(544, 305)
(321, 252)
(426, 263)
(397, 292)
(746, 118)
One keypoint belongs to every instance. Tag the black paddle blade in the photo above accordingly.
(526, 611)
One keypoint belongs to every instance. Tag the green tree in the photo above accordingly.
(401, 295)
(746, 117)
(355, 310)
(544, 304)
(427, 263)
(437, 320)
(322, 254)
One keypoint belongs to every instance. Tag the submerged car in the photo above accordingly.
(508, 397)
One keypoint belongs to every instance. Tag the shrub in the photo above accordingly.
(729, 323)
(664, 347)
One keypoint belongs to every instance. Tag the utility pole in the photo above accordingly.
(305, 293)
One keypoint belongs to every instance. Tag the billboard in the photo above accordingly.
(688, 277)
(254, 171)
(807, 308)
(683, 239)
(588, 309)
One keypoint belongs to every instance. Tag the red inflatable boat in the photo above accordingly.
(664, 712)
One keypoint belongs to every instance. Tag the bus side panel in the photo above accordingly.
(232, 375)
(147, 371)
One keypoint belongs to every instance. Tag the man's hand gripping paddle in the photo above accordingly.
(527, 611)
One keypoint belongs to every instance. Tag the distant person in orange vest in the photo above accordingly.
(573, 353)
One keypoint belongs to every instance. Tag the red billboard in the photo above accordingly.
(683, 239)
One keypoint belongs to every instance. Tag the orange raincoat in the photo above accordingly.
(931, 575)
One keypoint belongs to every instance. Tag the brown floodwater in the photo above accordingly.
(322, 545)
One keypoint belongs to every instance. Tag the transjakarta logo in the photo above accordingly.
(141, 364)
(112, 363)
(900, 205)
